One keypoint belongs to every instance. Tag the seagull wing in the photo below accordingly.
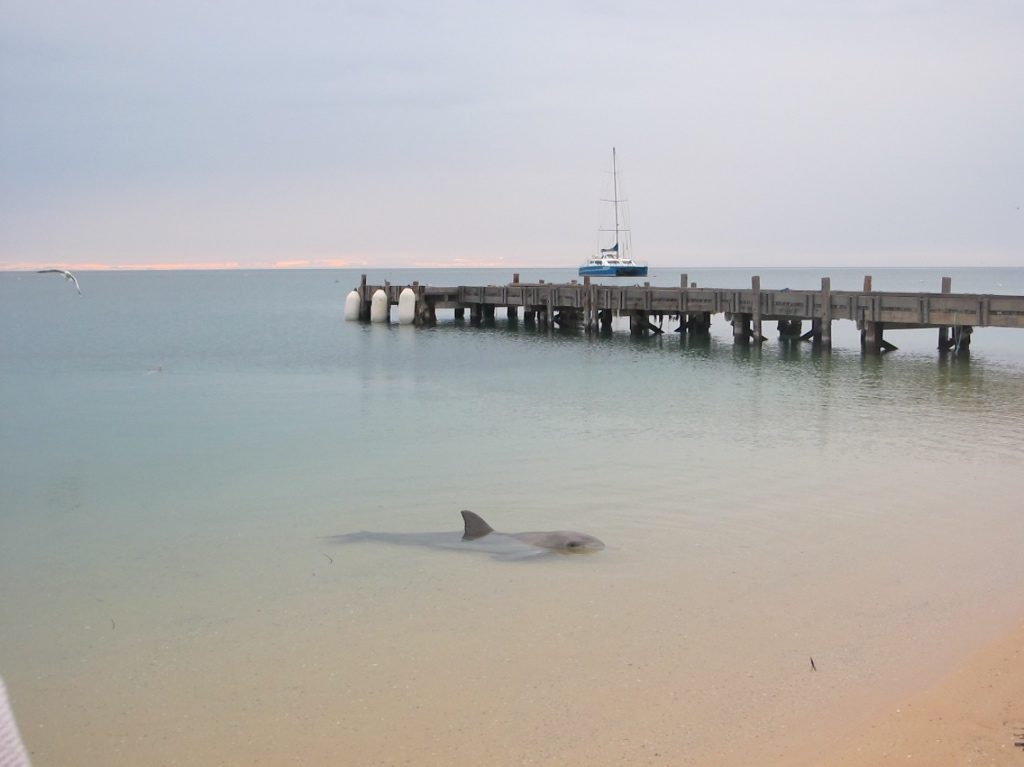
(67, 276)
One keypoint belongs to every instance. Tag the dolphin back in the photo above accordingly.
(475, 526)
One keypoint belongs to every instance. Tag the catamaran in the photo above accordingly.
(614, 261)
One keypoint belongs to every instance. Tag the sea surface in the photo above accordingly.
(177, 450)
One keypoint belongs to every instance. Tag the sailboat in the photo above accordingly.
(614, 261)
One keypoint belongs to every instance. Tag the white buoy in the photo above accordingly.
(380, 310)
(407, 307)
(352, 305)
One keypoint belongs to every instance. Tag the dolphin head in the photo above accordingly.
(562, 541)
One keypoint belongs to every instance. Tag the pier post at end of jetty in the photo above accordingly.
(591, 307)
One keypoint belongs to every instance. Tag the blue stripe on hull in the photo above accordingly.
(613, 271)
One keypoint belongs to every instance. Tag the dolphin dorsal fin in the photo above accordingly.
(475, 527)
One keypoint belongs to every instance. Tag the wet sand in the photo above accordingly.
(504, 677)
(973, 716)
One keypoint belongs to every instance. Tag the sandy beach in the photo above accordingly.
(973, 716)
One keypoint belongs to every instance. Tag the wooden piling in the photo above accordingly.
(962, 339)
(637, 323)
(755, 287)
(824, 336)
(364, 300)
(790, 329)
(814, 334)
(944, 342)
(872, 340)
(741, 328)
(588, 305)
(426, 311)
(700, 323)
(871, 337)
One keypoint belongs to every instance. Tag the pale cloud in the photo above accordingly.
(301, 263)
(404, 133)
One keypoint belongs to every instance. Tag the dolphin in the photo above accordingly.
(563, 541)
(479, 536)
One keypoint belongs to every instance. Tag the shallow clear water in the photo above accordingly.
(174, 448)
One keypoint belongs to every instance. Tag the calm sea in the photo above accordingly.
(175, 447)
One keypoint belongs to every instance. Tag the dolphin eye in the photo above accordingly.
(573, 544)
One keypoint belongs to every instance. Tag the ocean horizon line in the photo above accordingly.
(239, 267)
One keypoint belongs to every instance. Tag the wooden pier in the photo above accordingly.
(591, 307)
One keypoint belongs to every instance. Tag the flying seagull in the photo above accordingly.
(67, 276)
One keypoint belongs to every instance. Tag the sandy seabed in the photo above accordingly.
(974, 716)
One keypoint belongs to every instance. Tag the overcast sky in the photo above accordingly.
(448, 132)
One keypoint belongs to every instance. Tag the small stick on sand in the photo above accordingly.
(813, 667)
(328, 557)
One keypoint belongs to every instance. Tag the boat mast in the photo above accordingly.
(615, 199)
